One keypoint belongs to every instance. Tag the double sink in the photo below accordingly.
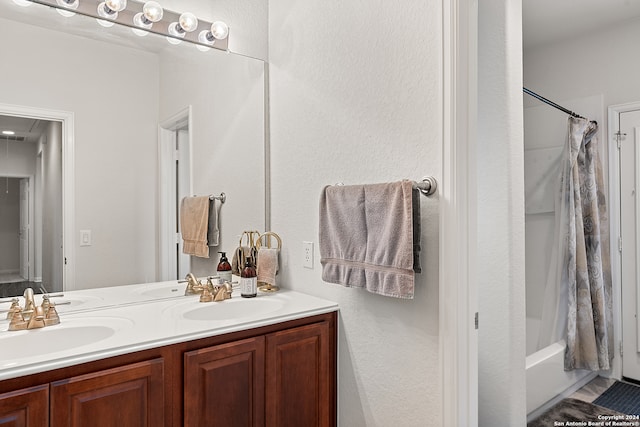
(106, 322)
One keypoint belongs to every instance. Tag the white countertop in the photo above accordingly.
(101, 323)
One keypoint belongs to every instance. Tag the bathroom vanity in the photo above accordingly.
(266, 361)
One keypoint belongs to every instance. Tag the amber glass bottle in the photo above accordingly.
(248, 280)
(224, 269)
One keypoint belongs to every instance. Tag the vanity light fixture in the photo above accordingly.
(186, 24)
(151, 13)
(147, 16)
(8, 132)
(68, 7)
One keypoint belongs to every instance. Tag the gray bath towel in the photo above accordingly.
(366, 237)
(213, 229)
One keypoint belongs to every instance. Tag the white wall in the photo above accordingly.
(9, 225)
(501, 275)
(356, 97)
(113, 92)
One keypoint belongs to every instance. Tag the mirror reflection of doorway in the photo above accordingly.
(30, 205)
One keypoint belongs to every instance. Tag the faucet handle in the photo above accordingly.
(17, 321)
(51, 316)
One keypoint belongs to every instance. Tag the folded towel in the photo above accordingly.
(194, 220)
(366, 237)
(267, 265)
(213, 230)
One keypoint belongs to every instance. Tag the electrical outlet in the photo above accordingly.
(307, 252)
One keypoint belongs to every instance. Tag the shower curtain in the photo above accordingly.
(578, 301)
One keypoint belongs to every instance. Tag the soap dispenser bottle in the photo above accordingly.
(248, 280)
(224, 269)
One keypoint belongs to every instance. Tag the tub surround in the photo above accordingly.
(108, 322)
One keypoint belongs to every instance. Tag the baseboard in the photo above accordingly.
(9, 271)
(37, 279)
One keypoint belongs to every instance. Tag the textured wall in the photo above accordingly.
(356, 97)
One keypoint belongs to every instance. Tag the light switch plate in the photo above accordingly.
(85, 237)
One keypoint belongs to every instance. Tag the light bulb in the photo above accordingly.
(219, 30)
(116, 5)
(188, 22)
(106, 12)
(67, 4)
(205, 37)
(152, 11)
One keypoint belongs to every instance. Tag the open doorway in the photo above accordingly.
(31, 205)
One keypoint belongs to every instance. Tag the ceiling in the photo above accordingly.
(547, 21)
(26, 130)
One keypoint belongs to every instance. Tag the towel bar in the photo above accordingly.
(427, 186)
(222, 197)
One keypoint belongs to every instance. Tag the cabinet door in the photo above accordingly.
(127, 396)
(25, 408)
(224, 385)
(299, 377)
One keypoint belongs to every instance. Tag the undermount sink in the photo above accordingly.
(69, 334)
(237, 308)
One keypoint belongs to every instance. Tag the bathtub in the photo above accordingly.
(547, 381)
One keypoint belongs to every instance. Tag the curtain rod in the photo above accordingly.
(551, 103)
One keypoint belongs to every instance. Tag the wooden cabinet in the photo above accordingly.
(275, 375)
(224, 385)
(26, 407)
(299, 377)
(127, 396)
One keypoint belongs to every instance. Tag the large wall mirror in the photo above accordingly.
(103, 104)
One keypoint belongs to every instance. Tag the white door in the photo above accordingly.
(24, 228)
(629, 128)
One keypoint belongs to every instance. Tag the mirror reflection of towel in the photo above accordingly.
(194, 221)
(213, 229)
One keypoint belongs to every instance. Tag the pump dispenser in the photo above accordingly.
(224, 269)
(248, 280)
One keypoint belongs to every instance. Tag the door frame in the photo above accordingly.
(458, 301)
(66, 118)
(615, 225)
(166, 179)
